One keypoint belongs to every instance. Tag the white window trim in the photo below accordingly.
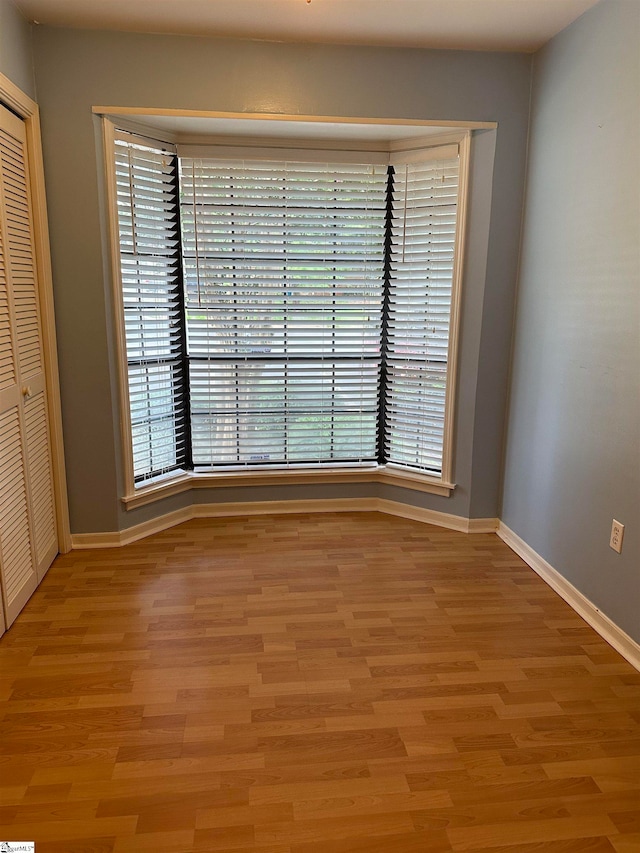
(389, 474)
(108, 141)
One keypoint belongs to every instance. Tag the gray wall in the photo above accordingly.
(76, 70)
(16, 58)
(573, 452)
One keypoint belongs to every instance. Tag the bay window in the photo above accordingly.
(287, 315)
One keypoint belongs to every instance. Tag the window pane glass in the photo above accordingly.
(420, 295)
(284, 267)
(150, 274)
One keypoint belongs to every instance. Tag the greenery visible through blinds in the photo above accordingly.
(150, 269)
(423, 248)
(283, 270)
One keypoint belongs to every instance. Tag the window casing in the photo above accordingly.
(305, 320)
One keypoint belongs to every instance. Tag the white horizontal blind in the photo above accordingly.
(422, 260)
(283, 267)
(150, 269)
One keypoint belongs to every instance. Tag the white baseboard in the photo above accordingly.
(608, 630)
(124, 537)
(80, 541)
(440, 519)
(483, 525)
(221, 510)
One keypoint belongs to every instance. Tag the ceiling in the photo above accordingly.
(521, 25)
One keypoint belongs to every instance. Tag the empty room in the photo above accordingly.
(320, 426)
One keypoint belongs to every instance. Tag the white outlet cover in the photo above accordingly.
(617, 534)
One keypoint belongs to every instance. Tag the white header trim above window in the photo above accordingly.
(282, 153)
(424, 155)
(268, 150)
(182, 125)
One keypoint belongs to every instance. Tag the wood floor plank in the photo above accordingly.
(334, 683)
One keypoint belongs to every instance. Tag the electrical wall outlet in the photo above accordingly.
(617, 532)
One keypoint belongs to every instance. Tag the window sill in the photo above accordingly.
(383, 474)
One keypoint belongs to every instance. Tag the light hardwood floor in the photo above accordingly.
(313, 684)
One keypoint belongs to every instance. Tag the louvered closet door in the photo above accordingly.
(28, 537)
